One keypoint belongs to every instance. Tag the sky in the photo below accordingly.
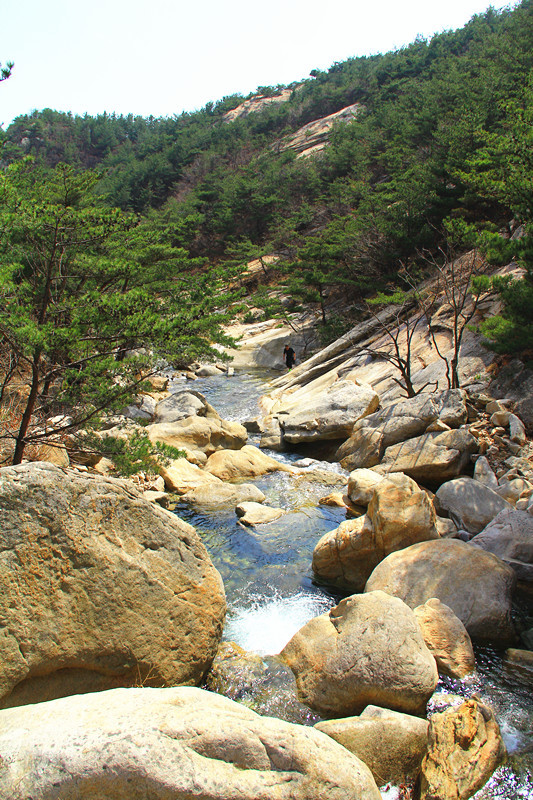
(162, 57)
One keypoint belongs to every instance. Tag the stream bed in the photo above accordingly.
(270, 590)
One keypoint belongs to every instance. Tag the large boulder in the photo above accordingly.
(399, 514)
(257, 514)
(248, 462)
(169, 744)
(100, 588)
(447, 638)
(399, 421)
(465, 747)
(433, 457)
(391, 744)
(183, 404)
(476, 585)
(367, 650)
(329, 415)
(510, 537)
(205, 434)
(470, 503)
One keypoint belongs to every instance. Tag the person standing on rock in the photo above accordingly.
(289, 356)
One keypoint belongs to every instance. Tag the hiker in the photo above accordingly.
(289, 356)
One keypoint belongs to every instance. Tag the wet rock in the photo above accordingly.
(101, 588)
(476, 585)
(465, 747)
(470, 504)
(446, 637)
(330, 414)
(391, 744)
(248, 462)
(257, 514)
(263, 683)
(174, 744)
(510, 537)
(367, 650)
(519, 663)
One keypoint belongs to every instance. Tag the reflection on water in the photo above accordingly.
(271, 594)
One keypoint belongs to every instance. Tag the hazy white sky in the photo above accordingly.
(162, 57)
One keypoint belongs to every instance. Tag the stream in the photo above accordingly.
(271, 594)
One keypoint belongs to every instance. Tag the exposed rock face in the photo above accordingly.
(101, 588)
(169, 744)
(400, 421)
(367, 650)
(314, 136)
(465, 747)
(471, 504)
(510, 537)
(329, 415)
(391, 744)
(433, 457)
(399, 514)
(361, 485)
(447, 638)
(248, 462)
(256, 103)
(477, 586)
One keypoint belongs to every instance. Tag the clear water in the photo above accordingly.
(271, 594)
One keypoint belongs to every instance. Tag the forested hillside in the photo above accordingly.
(438, 152)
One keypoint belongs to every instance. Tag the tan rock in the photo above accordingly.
(362, 450)
(465, 747)
(431, 457)
(54, 454)
(399, 514)
(391, 744)
(257, 514)
(218, 494)
(248, 462)
(100, 588)
(367, 650)
(199, 433)
(476, 585)
(171, 744)
(447, 638)
(361, 485)
(159, 383)
(181, 476)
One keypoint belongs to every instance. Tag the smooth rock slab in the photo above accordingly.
(367, 650)
(248, 462)
(391, 744)
(169, 744)
(476, 585)
(100, 588)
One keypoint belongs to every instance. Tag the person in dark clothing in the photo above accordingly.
(289, 356)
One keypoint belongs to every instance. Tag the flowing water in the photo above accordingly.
(271, 594)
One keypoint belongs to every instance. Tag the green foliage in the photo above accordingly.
(83, 284)
(132, 454)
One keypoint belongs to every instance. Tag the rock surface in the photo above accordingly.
(248, 462)
(510, 537)
(169, 744)
(465, 747)
(257, 514)
(433, 457)
(399, 514)
(447, 638)
(391, 744)
(330, 414)
(367, 650)
(101, 588)
(205, 434)
(476, 585)
(469, 503)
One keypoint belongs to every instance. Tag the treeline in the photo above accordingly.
(419, 168)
